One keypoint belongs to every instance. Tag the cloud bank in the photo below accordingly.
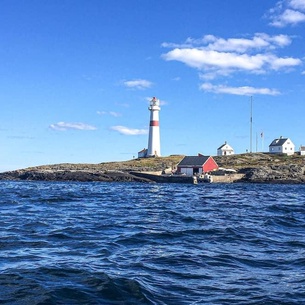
(286, 13)
(138, 84)
(245, 90)
(62, 126)
(112, 113)
(129, 131)
(217, 57)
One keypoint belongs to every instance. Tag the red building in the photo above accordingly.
(192, 165)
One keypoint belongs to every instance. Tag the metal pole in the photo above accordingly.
(251, 125)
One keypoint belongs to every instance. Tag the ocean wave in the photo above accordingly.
(132, 243)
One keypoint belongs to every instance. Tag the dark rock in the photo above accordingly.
(274, 174)
(81, 176)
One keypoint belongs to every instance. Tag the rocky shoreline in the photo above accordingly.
(274, 174)
(249, 168)
(66, 175)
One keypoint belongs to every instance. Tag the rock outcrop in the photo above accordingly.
(274, 174)
(66, 175)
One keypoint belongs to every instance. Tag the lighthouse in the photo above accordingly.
(154, 129)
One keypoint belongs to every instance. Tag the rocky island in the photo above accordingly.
(250, 167)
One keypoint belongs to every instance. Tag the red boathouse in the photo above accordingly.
(194, 165)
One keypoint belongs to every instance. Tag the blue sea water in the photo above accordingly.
(133, 243)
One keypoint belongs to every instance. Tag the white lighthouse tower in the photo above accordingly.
(154, 129)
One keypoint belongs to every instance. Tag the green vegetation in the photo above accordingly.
(142, 164)
(256, 160)
(238, 161)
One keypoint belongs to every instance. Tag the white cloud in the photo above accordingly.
(288, 17)
(297, 4)
(214, 56)
(260, 41)
(287, 12)
(281, 40)
(201, 59)
(245, 90)
(138, 84)
(129, 131)
(224, 63)
(62, 126)
(112, 113)
(277, 63)
(115, 114)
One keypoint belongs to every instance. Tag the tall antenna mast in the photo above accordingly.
(251, 124)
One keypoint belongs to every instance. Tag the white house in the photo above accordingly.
(225, 150)
(302, 150)
(282, 146)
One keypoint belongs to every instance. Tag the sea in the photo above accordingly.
(138, 243)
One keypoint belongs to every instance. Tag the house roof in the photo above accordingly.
(278, 142)
(193, 160)
(225, 144)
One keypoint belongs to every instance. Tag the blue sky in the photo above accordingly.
(76, 77)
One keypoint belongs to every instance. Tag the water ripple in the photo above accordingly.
(133, 243)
